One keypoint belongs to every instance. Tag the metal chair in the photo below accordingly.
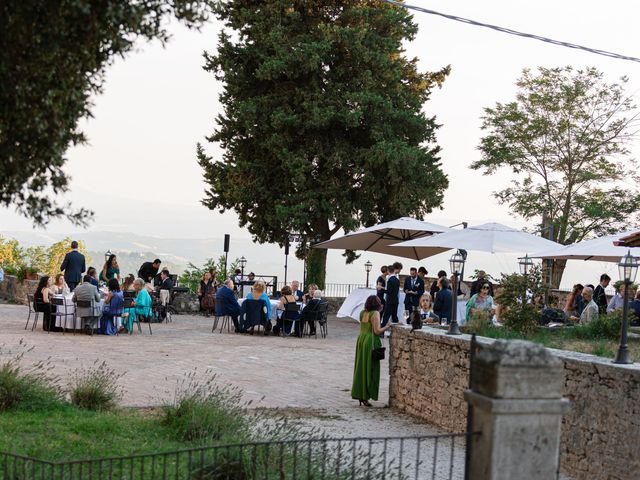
(59, 309)
(226, 319)
(318, 316)
(255, 313)
(290, 314)
(128, 308)
(32, 309)
(86, 304)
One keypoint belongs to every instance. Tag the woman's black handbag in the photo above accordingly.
(377, 354)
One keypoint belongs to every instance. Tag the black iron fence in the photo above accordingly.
(391, 458)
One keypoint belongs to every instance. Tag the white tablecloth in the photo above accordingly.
(70, 313)
(354, 304)
(274, 304)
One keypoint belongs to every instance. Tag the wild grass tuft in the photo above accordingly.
(95, 388)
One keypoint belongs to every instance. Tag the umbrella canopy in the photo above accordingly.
(599, 249)
(489, 237)
(632, 240)
(379, 237)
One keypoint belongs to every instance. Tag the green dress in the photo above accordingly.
(366, 372)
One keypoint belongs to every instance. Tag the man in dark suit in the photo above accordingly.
(444, 300)
(148, 270)
(73, 266)
(599, 295)
(434, 286)
(229, 305)
(479, 282)
(413, 289)
(393, 295)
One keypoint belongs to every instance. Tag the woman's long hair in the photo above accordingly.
(42, 283)
(109, 261)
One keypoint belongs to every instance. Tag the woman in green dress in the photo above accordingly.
(366, 372)
(110, 269)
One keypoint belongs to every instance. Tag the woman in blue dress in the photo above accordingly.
(112, 308)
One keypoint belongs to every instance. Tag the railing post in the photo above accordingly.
(517, 408)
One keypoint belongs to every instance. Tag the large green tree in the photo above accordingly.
(53, 56)
(323, 125)
(565, 139)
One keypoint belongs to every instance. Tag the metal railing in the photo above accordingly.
(390, 458)
(335, 289)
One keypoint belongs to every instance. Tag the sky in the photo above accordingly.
(159, 102)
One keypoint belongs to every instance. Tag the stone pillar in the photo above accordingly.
(517, 406)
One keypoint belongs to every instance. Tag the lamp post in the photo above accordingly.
(243, 263)
(628, 269)
(107, 255)
(367, 268)
(525, 263)
(456, 263)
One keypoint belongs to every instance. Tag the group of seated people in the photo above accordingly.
(294, 308)
(586, 302)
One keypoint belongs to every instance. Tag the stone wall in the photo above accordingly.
(14, 291)
(429, 372)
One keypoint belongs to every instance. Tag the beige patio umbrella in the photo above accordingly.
(379, 238)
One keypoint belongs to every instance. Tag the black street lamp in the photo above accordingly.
(243, 263)
(456, 263)
(367, 267)
(526, 264)
(628, 269)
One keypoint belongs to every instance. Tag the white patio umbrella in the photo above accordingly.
(378, 238)
(629, 240)
(488, 237)
(599, 249)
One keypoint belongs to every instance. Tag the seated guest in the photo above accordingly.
(570, 306)
(87, 292)
(258, 293)
(93, 275)
(444, 299)
(426, 309)
(149, 270)
(435, 284)
(127, 286)
(42, 303)
(142, 303)
(634, 308)
(617, 301)
(309, 296)
(296, 292)
(287, 318)
(308, 314)
(60, 286)
(227, 304)
(480, 303)
(479, 282)
(112, 308)
(590, 311)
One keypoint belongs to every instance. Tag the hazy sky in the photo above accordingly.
(158, 103)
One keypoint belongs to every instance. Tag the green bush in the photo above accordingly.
(606, 327)
(514, 313)
(95, 388)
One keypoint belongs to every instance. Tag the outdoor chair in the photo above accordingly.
(290, 315)
(32, 309)
(225, 319)
(254, 314)
(87, 304)
(318, 316)
(59, 309)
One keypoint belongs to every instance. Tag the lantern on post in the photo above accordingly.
(367, 267)
(628, 269)
(456, 263)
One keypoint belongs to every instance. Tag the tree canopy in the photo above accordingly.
(53, 56)
(323, 125)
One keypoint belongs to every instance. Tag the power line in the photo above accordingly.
(515, 32)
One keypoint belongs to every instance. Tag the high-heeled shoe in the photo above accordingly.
(365, 403)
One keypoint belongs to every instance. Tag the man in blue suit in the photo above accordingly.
(73, 266)
(230, 305)
(413, 289)
(444, 300)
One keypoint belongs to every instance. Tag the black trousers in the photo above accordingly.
(72, 285)
(390, 310)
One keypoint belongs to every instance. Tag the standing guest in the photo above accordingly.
(413, 289)
(570, 306)
(110, 269)
(42, 302)
(591, 311)
(237, 276)
(366, 371)
(381, 284)
(164, 291)
(422, 273)
(206, 293)
(112, 308)
(149, 270)
(127, 285)
(308, 296)
(599, 295)
(617, 301)
(444, 299)
(481, 302)
(73, 266)
(229, 304)
(393, 295)
(88, 292)
(434, 285)
(308, 314)
(251, 278)
(59, 286)
(634, 307)
(426, 309)
(93, 274)
(288, 317)
(258, 293)
(1, 274)
(296, 292)
(479, 282)
(142, 303)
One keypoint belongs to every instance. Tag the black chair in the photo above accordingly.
(290, 315)
(318, 316)
(86, 304)
(59, 309)
(129, 294)
(32, 309)
(253, 313)
(226, 319)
